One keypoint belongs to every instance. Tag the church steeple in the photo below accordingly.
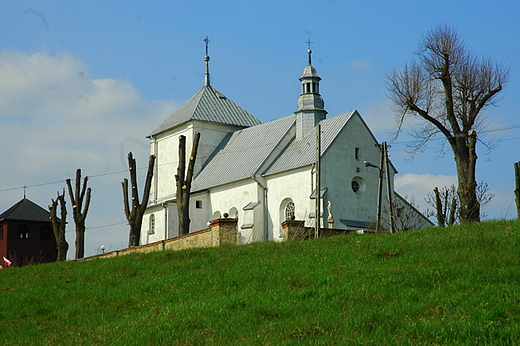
(206, 59)
(311, 108)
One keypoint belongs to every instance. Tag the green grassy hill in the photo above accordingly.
(453, 286)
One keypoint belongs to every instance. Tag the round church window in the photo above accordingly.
(358, 185)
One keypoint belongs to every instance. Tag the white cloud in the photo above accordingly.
(55, 118)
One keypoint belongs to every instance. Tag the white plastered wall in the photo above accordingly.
(296, 185)
(166, 148)
(340, 166)
(237, 195)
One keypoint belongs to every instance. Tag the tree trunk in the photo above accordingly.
(58, 226)
(80, 241)
(438, 207)
(517, 188)
(453, 208)
(466, 159)
(134, 216)
(76, 199)
(183, 179)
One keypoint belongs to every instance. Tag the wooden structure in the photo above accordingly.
(26, 235)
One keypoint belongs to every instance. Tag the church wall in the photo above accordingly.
(296, 185)
(166, 147)
(200, 212)
(343, 163)
(166, 218)
(159, 220)
(231, 198)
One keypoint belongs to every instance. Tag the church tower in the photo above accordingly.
(310, 103)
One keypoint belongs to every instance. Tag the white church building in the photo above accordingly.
(263, 173)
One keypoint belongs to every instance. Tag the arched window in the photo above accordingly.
(23, 231)
(216, 215)
(233, 213)
(356, 153)
(151, 224)
(289, 210)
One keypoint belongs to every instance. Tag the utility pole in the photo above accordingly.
(517, 188)
(317, 195)
(380, 190)
(389, 191)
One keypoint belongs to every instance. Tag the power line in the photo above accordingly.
(62, 181)
(393, 144)
(442, 138)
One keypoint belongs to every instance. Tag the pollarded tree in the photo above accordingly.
(134, 216)
(183, 180)
(59, 224)
(448, 88)
(79, 212)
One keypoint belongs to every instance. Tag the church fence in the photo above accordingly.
(220, 231)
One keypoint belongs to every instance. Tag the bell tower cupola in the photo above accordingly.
(311, 108)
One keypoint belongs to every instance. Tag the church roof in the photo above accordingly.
(209, 105)
(303, 152)
(310, 72)
(243, 153)
(26, 210)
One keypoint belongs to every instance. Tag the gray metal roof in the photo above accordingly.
(248, 151)
(243, 153)
(208, 104)
(310, 72)
(26, 210)
(303, 152)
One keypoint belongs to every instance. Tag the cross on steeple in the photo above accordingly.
(309, 51)
(206, 59)
(206, 39)
(24, 191)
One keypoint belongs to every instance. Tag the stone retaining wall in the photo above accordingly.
(220, 231)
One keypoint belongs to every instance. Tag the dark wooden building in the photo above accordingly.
(26, 235)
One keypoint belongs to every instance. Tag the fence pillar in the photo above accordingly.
(295, 230)
(224, 231)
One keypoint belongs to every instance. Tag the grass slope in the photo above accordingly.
(453, 286)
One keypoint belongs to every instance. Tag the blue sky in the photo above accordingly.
(82, 83)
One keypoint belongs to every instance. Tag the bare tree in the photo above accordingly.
(183, 179)
(445, 203)
(79, 212)
(448, 88)
(59, 224)
(134, 216)
(407, 215)
(446, 200)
